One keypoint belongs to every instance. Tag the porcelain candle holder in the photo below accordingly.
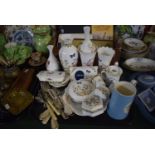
(68, 53)
(87, 49)
(105, 55)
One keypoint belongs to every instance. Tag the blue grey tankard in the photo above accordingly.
(123, 94)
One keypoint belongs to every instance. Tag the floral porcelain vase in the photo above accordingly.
(68, 53)
(52, 63)
(87, 49)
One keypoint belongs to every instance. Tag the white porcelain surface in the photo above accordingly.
(83, 72)
(140, 64)
(68, 53)
(105, 55)
(52, 63)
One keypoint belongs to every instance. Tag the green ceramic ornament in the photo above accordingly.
(41, 42)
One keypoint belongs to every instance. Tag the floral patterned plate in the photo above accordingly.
(80, 90)
(140, 64)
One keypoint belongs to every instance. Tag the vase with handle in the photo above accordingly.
(52, 63)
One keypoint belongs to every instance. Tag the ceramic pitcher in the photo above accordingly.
(68, 53)
(112, 73)
(87, 49)
(52, 63)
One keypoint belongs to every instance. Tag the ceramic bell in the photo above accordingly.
(87, 49)
(68, 53)
(52, 63)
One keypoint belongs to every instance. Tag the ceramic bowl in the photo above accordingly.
(80, 90)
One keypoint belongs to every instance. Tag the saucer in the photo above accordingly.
(77, 107)
(80, 90)
(60, 84)
(34, 63)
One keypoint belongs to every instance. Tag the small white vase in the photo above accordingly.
(68, 53)
(52, 63)
(87, 49)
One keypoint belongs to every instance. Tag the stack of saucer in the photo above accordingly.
(133, 47)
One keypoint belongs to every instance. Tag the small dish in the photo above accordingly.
(140, 64)
(146, 80)
(60, 84)
(80, 90)
(133, 43)
(37, 63)
(24, 37)
(57, 76)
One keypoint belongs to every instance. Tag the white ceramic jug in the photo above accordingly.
(52, 63)
(112, 73)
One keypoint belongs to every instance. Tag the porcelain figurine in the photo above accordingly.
(68, 53)
(87, 49)
(52, 63)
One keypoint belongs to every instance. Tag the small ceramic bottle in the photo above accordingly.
(68, 53)
(52, 63)
(87, 49)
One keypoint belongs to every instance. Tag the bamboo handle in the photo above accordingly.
(51, 112)
(54, 124)
(44, 114)
(46, 119)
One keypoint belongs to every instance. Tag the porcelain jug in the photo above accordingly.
(112, 73)
(68, 53)
(52, 63)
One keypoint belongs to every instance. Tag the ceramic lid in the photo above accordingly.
(147, 79)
